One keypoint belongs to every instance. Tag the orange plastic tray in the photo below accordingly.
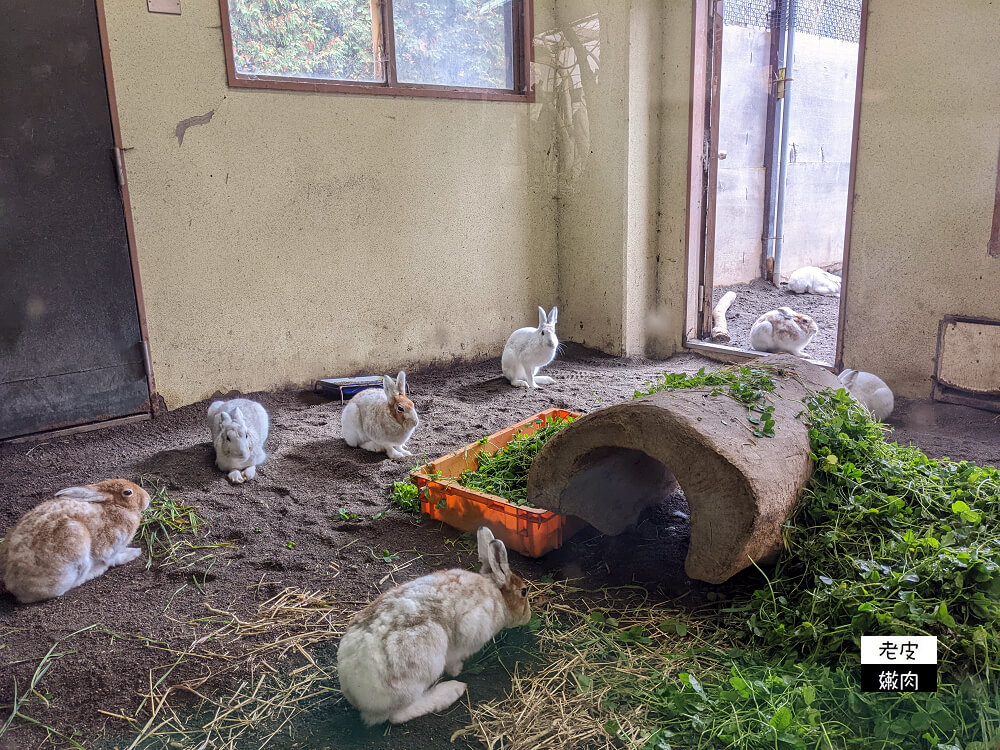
(530, 531)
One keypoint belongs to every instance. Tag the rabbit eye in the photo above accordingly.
(541, 333)
(399, 407)
(524, 591)
(127, 493)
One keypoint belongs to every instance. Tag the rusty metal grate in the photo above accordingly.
(835, 19)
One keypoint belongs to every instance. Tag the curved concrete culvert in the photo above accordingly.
(610, 465)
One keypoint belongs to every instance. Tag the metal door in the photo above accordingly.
(70, 343)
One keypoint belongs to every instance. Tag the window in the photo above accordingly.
(469, 49)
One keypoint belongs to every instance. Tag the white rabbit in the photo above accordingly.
(813, 280)
(529, 349)
(782, 330)
(239, 430)
(381, 420)
(870, 390)
(395, 649)
(72, 538)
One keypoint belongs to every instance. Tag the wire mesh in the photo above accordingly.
(835, 19)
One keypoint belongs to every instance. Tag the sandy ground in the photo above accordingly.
(757, 297)
(297, 497)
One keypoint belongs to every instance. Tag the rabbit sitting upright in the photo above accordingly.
(870, 390)
(239, 430)
(395, 650)
(381, 420)
(529, 349)
(782, 330)
(72, 538)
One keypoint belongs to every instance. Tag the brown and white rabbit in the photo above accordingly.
(381, 420)
(782, 330)
(77, 535)
(395, 649)
(870, 390)
(529, 349)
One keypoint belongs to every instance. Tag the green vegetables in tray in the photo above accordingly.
(504, 473)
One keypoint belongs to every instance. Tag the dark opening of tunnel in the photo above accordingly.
(640, 518)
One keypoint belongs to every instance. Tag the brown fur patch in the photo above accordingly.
(400, 416)
(517, 605)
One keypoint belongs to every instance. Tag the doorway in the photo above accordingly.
(781, 83)
(71, 349)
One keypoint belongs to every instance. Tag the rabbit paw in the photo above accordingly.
(126, 555)
(453, 669)
(392, 452)
(250, 472)
(520, 383)
(543, 380)
(236, 476)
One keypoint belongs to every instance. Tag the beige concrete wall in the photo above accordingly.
(593, 170)
(623, 149)
(302, 235)
(926, 181)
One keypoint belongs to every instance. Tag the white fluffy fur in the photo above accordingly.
(239, 430)
(396, 649)
(813, 280)
(782, 330)
(529, 349)
(368, 420)
(870, 390)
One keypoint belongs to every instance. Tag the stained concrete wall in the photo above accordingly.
(819, 161)
(300, 235)
(926, 185)
(742, 135)
(821, 97)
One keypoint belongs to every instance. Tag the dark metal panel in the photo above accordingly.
(69, 327)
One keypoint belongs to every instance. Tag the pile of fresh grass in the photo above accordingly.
(169, 532)
(504, 472)
(885, 541)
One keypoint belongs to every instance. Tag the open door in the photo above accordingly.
(71, 349)
(776, 127)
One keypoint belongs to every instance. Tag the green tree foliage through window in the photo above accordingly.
(441, 42)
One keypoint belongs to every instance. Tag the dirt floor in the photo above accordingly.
(759, 296)
(297, 498)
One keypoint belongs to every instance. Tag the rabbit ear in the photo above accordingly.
(82, 493)
(390, 387)
(499, 569)
(553, 316)
(224, 418)
(483, 538)
(847, 377)
(401, 382)
(541, 317)
(238, 416)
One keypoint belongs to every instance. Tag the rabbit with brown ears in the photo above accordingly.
(783, 330)
(381, 421)
(77, 535)
(397, 648)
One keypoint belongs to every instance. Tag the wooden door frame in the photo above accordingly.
(155, 404)
(698, 199)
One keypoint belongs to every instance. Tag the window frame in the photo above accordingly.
(522, 34)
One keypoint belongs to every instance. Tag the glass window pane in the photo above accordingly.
(332, 39)
(454, 42)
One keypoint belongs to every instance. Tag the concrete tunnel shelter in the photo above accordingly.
(610, 465)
